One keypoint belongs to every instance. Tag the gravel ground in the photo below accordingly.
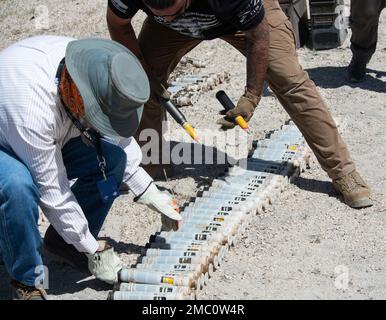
(308, 245)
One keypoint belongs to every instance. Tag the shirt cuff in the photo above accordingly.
(139, 181)
(88, 245)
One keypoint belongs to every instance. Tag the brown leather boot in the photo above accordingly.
(355, 191)
(23, 292)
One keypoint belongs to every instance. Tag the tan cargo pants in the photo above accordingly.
(163, 48)
(364, 25)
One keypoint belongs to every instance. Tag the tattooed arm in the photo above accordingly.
(257, 57)
(257, 61)
(122, 31)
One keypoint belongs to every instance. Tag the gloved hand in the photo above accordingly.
(157, 88)
(245, 108)
(160, 202)
(105, 263)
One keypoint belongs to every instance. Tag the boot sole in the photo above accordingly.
(360, 204)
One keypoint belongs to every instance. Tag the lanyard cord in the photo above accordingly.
(91, 135)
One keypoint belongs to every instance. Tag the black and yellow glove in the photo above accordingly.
(245, 108)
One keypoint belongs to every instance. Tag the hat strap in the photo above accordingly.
(93, 136)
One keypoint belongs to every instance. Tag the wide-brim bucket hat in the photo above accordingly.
(112, 82)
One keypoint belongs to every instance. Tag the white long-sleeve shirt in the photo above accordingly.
(35, 127)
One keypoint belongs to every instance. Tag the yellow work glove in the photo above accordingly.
(245, 108)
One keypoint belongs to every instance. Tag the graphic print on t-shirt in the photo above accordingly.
(203, 19)
(192, 24)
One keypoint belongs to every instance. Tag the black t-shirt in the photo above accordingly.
(204, 19)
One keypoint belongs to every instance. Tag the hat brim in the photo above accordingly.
(80, 55)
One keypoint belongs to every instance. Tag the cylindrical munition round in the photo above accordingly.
(217, 237)
(193, 87)
(240, 183)
(177, 279)
(217, 196)
(226, 194)
(184, 101)
(237, 183)
(178, 83)
(194, 221)
(257, 179)
(216, 204)
(264, 167)
(263, 162)
(229, 188)
(187, 242)
(208, 225)
(196, 217)
(196, 269)
(293, 147)
(222, 254)
(199, 64)
(206, 278)
(185, 80)
(174, 90)
(179, 253)
(223, 196)
(253, 170)
(204, 210)
(219, 204)
(204, 261)
(202, 213)
(188, 247)
(127, 295)
(193, 216)
(207, 222)
(217, 260)
(240, 172)
(236, 190)
(223, 205)
(165, 288)
(262, 153)
(248, 187)
(201, 281)
(226, 230)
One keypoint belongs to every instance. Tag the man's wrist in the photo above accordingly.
(252, 95)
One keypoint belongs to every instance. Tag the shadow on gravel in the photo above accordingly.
(62, 280)
(335, 77)
(202, 163)
(122, 247)
(317, 186)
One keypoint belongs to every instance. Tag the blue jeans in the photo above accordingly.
(20, 241)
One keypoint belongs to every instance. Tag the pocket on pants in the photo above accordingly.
(290, 29)
(275, 17)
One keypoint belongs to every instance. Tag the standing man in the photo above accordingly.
(364, 21)
(264, 36)
(59, 98)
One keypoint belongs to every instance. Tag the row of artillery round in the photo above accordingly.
(178, 264)
(185, 89)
